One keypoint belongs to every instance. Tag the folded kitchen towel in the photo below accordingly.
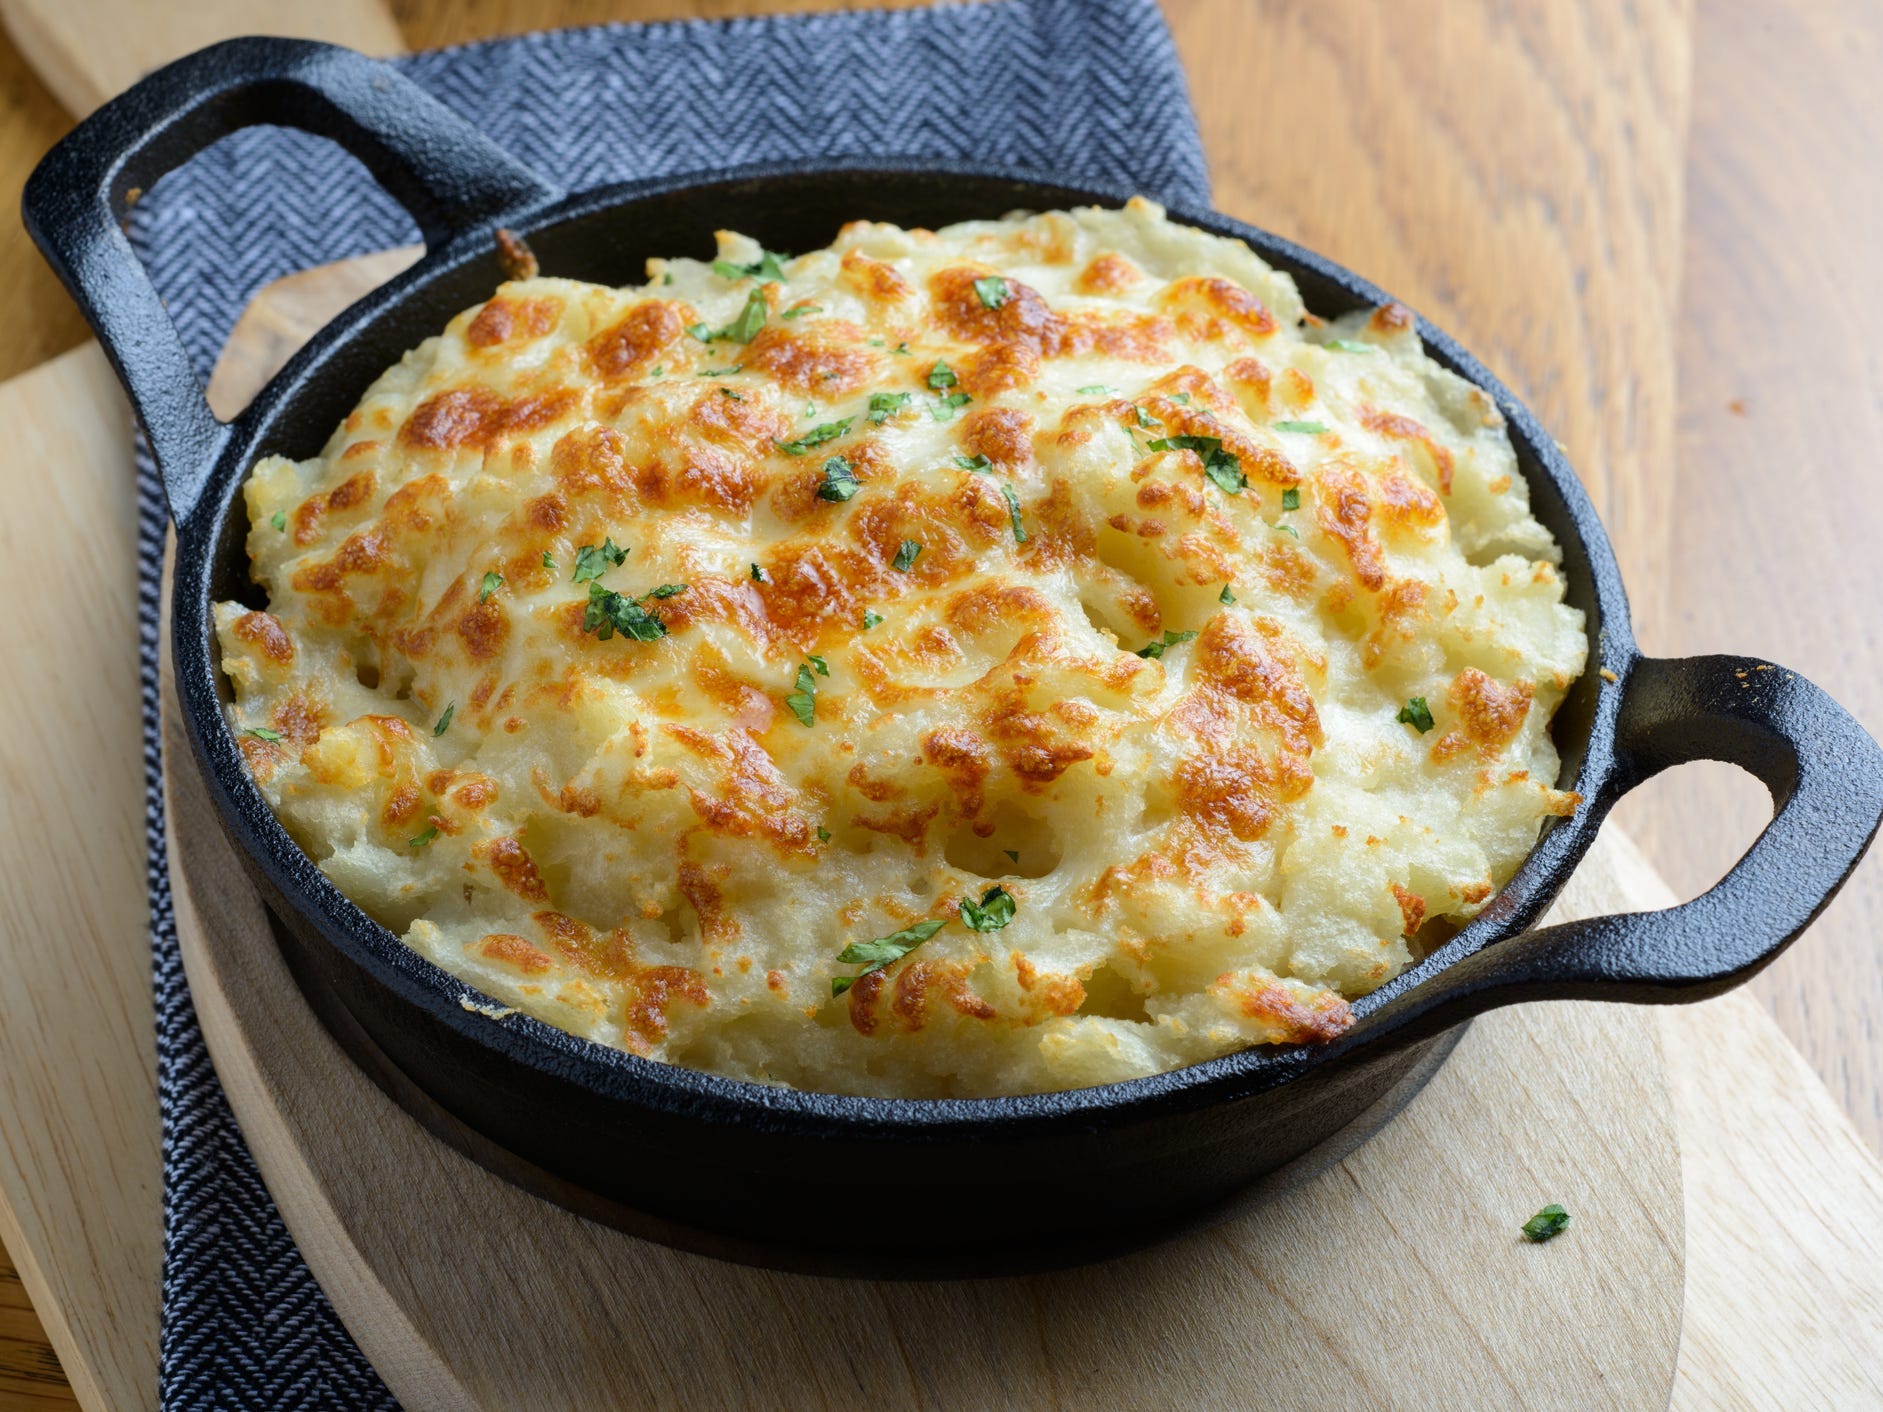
(1078, 89)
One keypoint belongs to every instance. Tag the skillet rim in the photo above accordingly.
(620, 1077)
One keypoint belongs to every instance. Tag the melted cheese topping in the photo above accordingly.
(1103, 431)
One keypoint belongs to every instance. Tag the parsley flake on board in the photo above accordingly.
(944, 407)
(444, 721)
(591, 562)
(1416, 713)
(492, 581)
(1547, 1224)
(765, 267)
(974, 463)
(1155, 650)
(1226, 598)
(263, 733)
(422, 839)
(279, 519)
(991, 913)
(1305, 428)
(883, 405)
(1291, 499)
(840, 482)
(874, 955)
(906, 556)
(609, 613)
(803, 701)
(816, 436)
(1222, 467)
(993, 291)
(870, 619)
(941, 375)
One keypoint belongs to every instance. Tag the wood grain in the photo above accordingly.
(93, 51)
(79, 1178)
(1781, 508)
(1308, 1292)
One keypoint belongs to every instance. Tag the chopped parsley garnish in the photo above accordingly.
(659, 371)
(823, 667)
(884, 404)
(1288, 530)
(444, 721)
(1547, 1224)
(758, 574)
(263, 733)
(701, 332)
(870, 619)
(1155, 650)
(765, 267)
(751, 319)
(941, 375)
(992, 290)
(549, 561)
(905, 556)
(1305, 428)
(609, 613)
(901, 348)
(592, 562)
(974, 463)
(1182, 399)
(1291, 499)
(722, 372)
(803, 701)
(1350, 345)
(944, 407)
(1222, 467)
(874, 955)
(823, 834)
(279, 519)
(1416, 713)
(422, 839)
(816, 436)
(730, 393)
(991, 913)
(801, 310)
(666, 590)
(1145, 420)
(1013, 510)
(1012, 853)
(1097, 389)
(840, 482)
(492, 581)
(1226, 598)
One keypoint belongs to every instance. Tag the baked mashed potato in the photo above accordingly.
(1019, 656)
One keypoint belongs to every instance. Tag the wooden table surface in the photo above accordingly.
(1728, 431)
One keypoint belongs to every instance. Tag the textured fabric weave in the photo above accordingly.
(1078, 89)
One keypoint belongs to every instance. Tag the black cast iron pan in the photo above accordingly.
(762, 1173)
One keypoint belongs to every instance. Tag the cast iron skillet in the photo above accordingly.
(766, 1174)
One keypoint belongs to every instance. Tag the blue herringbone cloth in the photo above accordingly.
(1072, 88)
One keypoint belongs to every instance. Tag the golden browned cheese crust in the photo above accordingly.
(1064, 555)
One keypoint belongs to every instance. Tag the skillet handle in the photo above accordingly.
(1826, 778)
(452, 179)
